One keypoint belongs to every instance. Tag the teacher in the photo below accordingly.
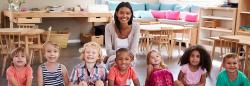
(122, 32)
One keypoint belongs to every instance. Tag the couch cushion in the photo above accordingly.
(195, 8)
(113, 5)
(177, 22)
(182, 8)
(146, 14)
(173, 15)
(159, 14)
(152, 6)
(191, 17)
(138, 6)
(167, 6)
(137, 14)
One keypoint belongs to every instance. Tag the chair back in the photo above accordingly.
(9, 41)
(229, 45)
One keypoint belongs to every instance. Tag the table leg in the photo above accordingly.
(213, 49)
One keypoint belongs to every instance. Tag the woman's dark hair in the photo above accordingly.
(205, 58)
(123, 4)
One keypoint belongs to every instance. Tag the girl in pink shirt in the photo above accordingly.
(122, 74)
(195, 66)
(19, 73)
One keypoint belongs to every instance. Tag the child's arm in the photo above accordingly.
(110, 82)
(39, 76)
(203, 80)
(29, 76)
(13, 81)
(29, 82)
(136, 82)
(65, 75)
(181, 78)
(149, 70)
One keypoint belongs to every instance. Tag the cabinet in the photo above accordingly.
(216, 21)
(243, 23)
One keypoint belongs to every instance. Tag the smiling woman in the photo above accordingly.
(122, 32)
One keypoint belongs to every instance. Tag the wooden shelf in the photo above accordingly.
(243, 32)
(217, 29)
(206, 39)
(245, 12)
(219, 8)
(217, 17)
(223, 18)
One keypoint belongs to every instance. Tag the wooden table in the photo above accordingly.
(25, 32)
(158, 27)
(243, 40)
(35, 17)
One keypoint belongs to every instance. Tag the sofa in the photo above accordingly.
(169, 13)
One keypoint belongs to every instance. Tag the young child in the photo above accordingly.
(19, 73)
(231, 76)
(154, 62)
(195, 66)
(52, 72)
(122, 74)
(91, 72)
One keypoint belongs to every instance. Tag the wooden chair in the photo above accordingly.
(27, 26)
(7, 44)
(231, 46)
(37, 46)
(185, 37)
(145, 37)
(163, 38)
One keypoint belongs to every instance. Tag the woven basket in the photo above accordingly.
(61, 38)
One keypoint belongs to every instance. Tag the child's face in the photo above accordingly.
(194, 58)
(123, 60)
(231, 65)
(19, 59)
(51, 53)
(91, 54)
(124, 15)
(155, 58)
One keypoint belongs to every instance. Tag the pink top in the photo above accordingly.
(122, 79)
(192, 78)
(20, 76)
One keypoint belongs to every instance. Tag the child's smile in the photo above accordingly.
(231, 65)
(51, 53)
(123, 61)
(91, 54)
(155, 58)
(19, 60)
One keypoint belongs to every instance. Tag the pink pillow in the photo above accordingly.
(173, 15)
(191, 17)
(158, 14)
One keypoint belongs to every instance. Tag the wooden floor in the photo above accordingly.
(70, 57)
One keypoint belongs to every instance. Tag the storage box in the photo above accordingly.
(88, 37)
(211, 23)
(61, 38)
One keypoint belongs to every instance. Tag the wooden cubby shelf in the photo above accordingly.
(216, 21)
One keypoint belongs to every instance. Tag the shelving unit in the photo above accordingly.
(222, 21)
(243, 17)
